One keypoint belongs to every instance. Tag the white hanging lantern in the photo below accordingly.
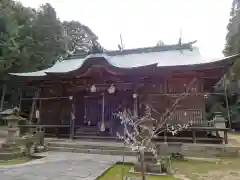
(70, 98)
(111, 89)
(37, 113)
(185, 113)
(102, 127)
(93, 88)
(134, 96)
(205, 96)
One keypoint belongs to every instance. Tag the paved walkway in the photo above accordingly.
(234, 138)
(62, 166)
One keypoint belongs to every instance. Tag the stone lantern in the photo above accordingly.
(219, 122)
(13, 130)
(10, 149)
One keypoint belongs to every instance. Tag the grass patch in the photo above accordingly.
(19, 160)
(118, 170)
(15, 161)
(192, 169)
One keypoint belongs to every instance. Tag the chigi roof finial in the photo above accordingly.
(180, 38)
(121, 46)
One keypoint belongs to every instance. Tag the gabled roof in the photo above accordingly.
(162, 56)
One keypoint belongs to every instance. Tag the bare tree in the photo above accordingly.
(140, 131)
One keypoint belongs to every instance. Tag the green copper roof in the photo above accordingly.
(174, 55)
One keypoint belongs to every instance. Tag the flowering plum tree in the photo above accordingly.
(140, 131)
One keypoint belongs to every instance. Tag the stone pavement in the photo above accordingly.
(62, 166)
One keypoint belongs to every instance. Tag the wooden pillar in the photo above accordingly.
(225, 137)
(72, 121)
(226, 100)
(102, 126)
(135, 105)
(20, 100)
(39, 110)
(194, 136)
(3, 96)
(165, 136)
(36, 95)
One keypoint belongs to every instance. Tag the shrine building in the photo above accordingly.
(79, 96)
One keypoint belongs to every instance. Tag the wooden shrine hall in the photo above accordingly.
(79, 96)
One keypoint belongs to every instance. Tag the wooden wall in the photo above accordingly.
(163, 95)
(159, 93)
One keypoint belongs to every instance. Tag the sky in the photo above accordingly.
(143, 22)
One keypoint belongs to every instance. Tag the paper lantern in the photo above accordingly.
(134, 96)
(93, 88)
(111, 89)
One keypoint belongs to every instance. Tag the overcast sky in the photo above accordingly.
(143, 22)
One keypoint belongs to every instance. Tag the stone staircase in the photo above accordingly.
(91, 133)
(91, 147)
(86, 131)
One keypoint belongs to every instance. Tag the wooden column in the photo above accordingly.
(40, 110)
(72, 121)
(227, 103)
(102, 126)
(20, 100)
(225, 137)
(194, 136)
(135, 105)
(33, 108)
(3, 96)
(165, 136)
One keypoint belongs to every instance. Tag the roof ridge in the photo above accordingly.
(170, 47)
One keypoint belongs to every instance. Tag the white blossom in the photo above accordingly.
(136, 139)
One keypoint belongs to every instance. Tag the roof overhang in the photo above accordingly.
(154, 63)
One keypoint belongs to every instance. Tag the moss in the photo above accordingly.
(21, 160)
(118, 171)
(193, 168)
(15, 161)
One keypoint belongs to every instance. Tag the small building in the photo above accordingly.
(79, 96)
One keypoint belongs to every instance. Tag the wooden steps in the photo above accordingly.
(86, 131)
(109, 148)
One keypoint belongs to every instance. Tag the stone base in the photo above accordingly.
(10, 151)
(149, 167)
(39, 149)
(132, 170)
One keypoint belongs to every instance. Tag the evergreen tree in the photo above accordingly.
(233, 35)
(80, 38)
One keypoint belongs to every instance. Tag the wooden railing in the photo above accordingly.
(188, 116)
(165, 138)
(194, 138)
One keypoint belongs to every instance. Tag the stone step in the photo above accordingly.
(88, 146)
(93, 151)
(83, 133)
(94, 137)
(87, 128)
